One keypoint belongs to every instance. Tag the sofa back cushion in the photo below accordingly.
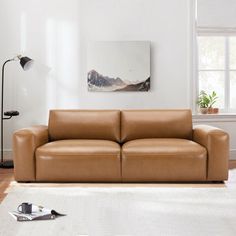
(138, 124)
(84, 124)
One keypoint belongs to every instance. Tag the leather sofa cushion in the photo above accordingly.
(138, 124)
(146, 160)
(84, 124)
(79, 161)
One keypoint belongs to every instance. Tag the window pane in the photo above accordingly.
(211, 52)
(210, 81)
(232, 48)
(233, 89)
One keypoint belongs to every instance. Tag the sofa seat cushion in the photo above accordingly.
(79, 161)
(145, 160)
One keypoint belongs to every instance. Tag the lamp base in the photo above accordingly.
(6, 164)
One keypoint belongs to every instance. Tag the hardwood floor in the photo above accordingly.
(7, 177)
(232, 164)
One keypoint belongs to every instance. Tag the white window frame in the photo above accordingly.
(227, 70)
(193, 70)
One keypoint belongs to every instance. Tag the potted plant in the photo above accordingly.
(203, 102)
(212, 100)
(206, 101)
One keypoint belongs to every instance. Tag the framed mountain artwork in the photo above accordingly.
(118, 66)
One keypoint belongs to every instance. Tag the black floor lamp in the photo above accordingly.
(26, 63)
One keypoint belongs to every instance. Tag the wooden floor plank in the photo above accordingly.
(232, 164)
(6, 177)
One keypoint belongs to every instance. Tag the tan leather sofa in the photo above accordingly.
(120, 146)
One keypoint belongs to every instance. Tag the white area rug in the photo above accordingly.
(108, 211)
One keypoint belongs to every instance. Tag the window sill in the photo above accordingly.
(220, 117)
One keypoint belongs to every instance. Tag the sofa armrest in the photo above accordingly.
(216, 141)
(25, 142)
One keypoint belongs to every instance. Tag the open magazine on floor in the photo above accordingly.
(38, 213)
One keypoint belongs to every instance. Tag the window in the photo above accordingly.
(217, 68)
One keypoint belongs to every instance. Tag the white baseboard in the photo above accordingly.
(232, 154)
(7, 154)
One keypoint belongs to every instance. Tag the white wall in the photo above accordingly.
(56, 32)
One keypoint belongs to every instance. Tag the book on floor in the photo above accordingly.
(38, 213)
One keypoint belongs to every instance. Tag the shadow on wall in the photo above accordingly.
(49, 35)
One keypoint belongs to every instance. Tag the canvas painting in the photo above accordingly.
(118, 66)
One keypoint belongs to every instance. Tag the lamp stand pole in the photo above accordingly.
(4, 164)
(25, 63)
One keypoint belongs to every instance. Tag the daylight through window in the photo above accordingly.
(217, 68)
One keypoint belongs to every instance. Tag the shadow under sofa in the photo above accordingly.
(120, 146)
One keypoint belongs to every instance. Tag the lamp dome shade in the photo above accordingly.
(26, 63)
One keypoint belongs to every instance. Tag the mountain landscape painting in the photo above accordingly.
(118, 66)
